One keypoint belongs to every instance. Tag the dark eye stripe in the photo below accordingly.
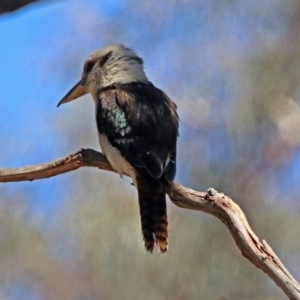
(89, 66)
(104, 59)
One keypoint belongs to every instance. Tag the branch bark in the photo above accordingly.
(212, 202)
(11, 5)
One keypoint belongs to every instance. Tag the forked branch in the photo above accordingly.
(217, 204)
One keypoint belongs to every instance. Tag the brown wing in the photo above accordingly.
(142, 123)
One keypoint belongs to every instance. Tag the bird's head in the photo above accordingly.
(107, 66)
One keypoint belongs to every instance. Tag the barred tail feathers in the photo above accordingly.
(153, 212)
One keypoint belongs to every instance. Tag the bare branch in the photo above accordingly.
(82, 158)
(217, 204)
(11, 5)
(260, 254)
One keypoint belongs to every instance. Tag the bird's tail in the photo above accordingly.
(153, 212)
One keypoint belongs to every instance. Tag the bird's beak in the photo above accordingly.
(77, 91)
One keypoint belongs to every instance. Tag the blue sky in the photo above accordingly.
(28, 97)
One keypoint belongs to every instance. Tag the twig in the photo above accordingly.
(11, 5)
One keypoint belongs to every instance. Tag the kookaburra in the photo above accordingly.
(137, 127)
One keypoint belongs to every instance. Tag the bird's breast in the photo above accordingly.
(116, 160)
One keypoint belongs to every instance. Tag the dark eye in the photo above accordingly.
(89, 66)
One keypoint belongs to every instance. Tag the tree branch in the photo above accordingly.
(11, 5)
(217, 204)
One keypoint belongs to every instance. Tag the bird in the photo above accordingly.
(137, 125)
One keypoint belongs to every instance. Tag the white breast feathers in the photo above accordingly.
(115, 158)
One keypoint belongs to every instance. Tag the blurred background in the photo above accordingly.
(233, 68)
